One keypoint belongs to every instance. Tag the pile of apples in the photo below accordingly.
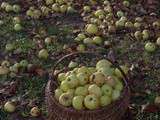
(89, 87)
(10, 8)
(104, 20)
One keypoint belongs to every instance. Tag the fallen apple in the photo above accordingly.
(91, 29)
(150, 47)
(43, 53)
(9, 107)
(35, 112)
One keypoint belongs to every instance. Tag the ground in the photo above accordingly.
(26, 86)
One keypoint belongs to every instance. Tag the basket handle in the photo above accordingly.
(115, 64)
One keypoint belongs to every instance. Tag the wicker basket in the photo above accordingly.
(114, 111)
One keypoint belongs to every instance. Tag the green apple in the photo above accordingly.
(77, 39)
(23, 63)
(137, 25)
(150, 47)
(17, 27)
(95, 89)
(105, 100)
(81, 48)
(156, 24)
(49, 2)
(36, 14)
(73, 64)
(57, 93)
(71, 92)
(138, 19)
(16, 20)
(87, 8)
(70, 10)
(13, 69)
(81, 36)
(9, 107)
(84, 70)
(103, 63)
(111, 81)
(91, 102)
(91, 29)
(138, 35)
(106, 2)
(16, 8)
(3, 5)
(77, 102)
(43, 53)
(106, 90)
(124, 19)
(157, 100)
(1, 22)
(97, 40)
(72, 81)
(145, 34)
(83, 91)
(5, 63)
(48, 40)
(65, 99)
(61, 77)
(4, 70)
(119, 85)
(8, 8)
(92, 70)
(64, 86)
(88, 40)
(120, 13)
(106, 70)
(98, 78)
(55, 7)
(60, 1)
(126, 3)
(83, 78)
(63, 8)
(29, 13)
(35, 111)
(99, 12)
(120, 24)
(158, 41)
(17, 65)
(129, 24)
(116, 94)
(9, 47)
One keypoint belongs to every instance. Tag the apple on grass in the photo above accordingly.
(82, 78)
(43, 54)
(91, 102)
(105, 100)
(99, 12)
(17, 27)
(97, 40)
(23, 63)
(97, 78)
(77, 102)
(9, 107)
(95, 89)
(5, 63)
(65, 99)
(8, 8)
(87, 8)
(57, 93)
(150, 47)
(35, 112)
(81, 36)
(16, 8)
(16, 20)
(55, 7)
(81, 48)
(106, 90)
(9, 47)
(81, 90)
(91, 29)
(158, 41)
